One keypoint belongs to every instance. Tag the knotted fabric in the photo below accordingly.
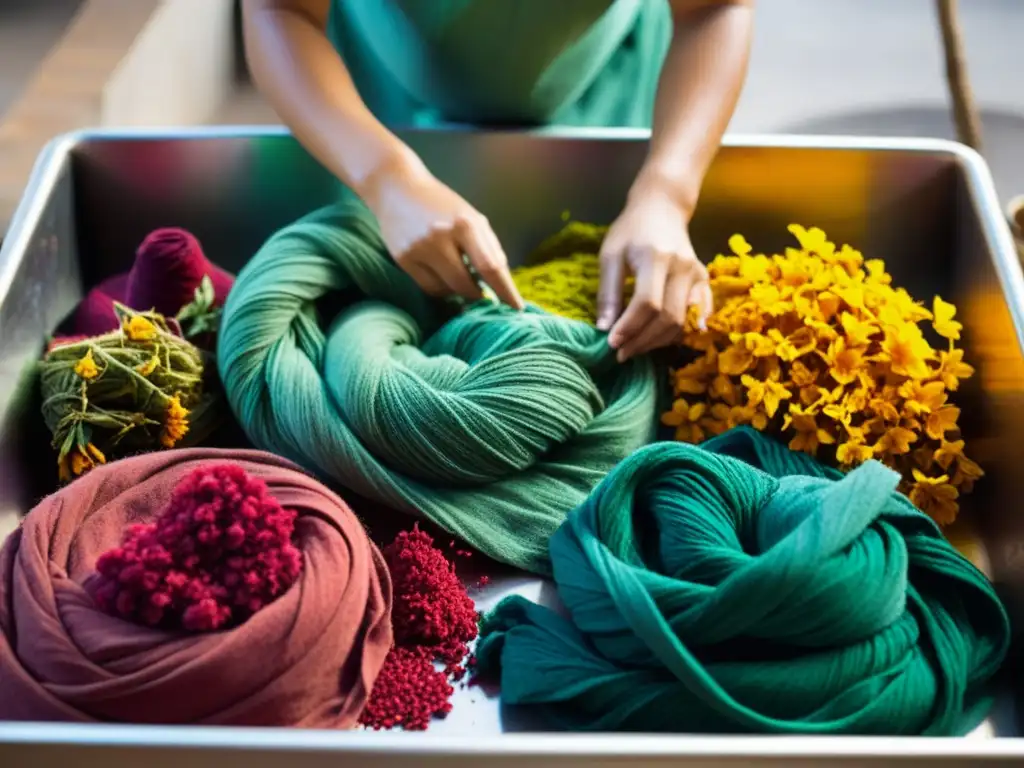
(493, 424)
(741, 587)
(309, 657)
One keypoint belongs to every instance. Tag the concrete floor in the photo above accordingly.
(819, 66)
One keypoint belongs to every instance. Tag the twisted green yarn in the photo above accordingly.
(492, 423)
(742, 587)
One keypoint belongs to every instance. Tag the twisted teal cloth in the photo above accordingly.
(741, 587)
(493, 424)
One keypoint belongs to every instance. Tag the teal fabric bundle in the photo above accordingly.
(493, 424)
(741, 587)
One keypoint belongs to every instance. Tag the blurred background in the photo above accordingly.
(868, 67)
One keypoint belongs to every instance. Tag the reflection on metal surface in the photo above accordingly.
(926, 207)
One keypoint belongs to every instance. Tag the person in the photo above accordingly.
(342, 74)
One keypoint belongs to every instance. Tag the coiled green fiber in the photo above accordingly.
(493, 424)
(742, 587)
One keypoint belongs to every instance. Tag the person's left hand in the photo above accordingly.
(651, 240)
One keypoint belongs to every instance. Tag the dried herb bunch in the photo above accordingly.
(139, 387)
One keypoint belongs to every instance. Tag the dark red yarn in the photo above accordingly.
(169, 265)
(434, 620)
(219, 552)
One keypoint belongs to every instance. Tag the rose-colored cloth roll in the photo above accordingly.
(308, 658)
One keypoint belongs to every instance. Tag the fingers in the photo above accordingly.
(646, 304)
(702, 297)
(447, 263)
(609, 294)
(667, 325)
(480, 244)
(687, 285)
(427, 280)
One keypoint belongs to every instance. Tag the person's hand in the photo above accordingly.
(651, 240)
(427, 228)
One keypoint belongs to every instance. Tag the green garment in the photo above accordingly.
(742, 587)
(512, 62)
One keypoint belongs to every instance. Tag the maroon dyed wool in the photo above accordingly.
(169, 266)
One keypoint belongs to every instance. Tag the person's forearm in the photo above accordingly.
(700, 84)
(298, 71)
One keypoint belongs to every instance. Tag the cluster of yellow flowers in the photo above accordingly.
(818, 345)
(136, 385)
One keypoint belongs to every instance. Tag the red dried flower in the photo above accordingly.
(219, 552)
(434, 619)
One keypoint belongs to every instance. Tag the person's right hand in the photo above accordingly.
(427, 228)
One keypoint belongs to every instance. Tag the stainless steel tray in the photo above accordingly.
(927, 207)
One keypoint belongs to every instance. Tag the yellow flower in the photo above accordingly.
(685, 418)
(920, 399)
(952, 368)
(770, 394)
(813, 240)
(896, 441)
(808, 434)
(906, 351)
(935, 496)
(735, 360)
(756, 344)
(149, 366)
(967, 471)
(818, 338)
(876, 272)
(802, 375)
(796, 345)
(857, 400)
(79, 461)
(852, 294)
(850, 259)
(942, 421)
(757, 269)
(844, 363)
(735, 415)
(138, 328)
(854, 451)
(858, 332)
(175, 423)
(738, 244)
(723, 388)
(947, 452)
(884, 409)
(944, 324)
(86, 367)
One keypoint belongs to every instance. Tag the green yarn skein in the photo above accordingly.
(493, 424)
(742, 587)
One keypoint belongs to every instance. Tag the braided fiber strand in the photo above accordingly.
(493, 424)
(742, 587)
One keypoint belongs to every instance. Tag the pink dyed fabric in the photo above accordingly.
(169, 265)
(309, 658)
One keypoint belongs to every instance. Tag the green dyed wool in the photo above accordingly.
(742, 587)
(492, 423)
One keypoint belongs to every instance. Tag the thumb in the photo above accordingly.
(609, 295)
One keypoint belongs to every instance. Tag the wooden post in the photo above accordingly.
(965, 111)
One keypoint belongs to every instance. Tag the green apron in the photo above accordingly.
(504, 62)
